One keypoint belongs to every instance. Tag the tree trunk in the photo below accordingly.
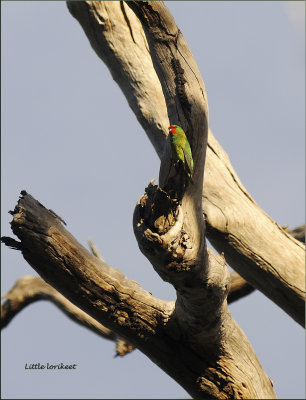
(253, 244)
(194, 339)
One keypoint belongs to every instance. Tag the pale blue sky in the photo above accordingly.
(61, 142)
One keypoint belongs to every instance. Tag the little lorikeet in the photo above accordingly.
(181, 151)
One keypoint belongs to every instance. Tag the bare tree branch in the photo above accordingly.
(195, 340)
(150, 324)
(43, 237)
(29, 289)
(94, 250)
(253, 244)
(212, 338)
(239, 287)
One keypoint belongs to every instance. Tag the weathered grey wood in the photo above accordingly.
(253, 244)
(29, 289)
(228, 369)
(194, 340)
(70, 268)
(261, 251)
(117, 36)
(239, 287)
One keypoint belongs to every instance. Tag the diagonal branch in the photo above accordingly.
(253, 244)
(97, 288)
(29, 289)
(177, 250)
(239, 287)
(121, 305)
(195, 340)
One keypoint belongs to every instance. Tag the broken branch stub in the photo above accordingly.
(151, 324)
(92, 285)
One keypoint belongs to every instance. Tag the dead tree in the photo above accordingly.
(194, 339)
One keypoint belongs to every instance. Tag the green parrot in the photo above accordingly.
(181, 151)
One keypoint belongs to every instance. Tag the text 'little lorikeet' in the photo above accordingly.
(181, 151)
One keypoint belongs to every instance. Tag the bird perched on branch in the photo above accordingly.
(181, 151)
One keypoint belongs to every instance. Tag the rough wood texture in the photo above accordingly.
(264, 254)
(178, 251)
(51, 250)
(240, 287)
(227, 369)
(195, 340)
(30, 289)
(253, 244)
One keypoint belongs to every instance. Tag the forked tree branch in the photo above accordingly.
(121, 305)
(29, 289)
(195, 340)
(85, 280)
(253, 244)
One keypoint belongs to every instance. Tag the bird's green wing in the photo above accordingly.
(188, 157)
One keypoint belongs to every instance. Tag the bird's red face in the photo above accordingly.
(172, 129)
